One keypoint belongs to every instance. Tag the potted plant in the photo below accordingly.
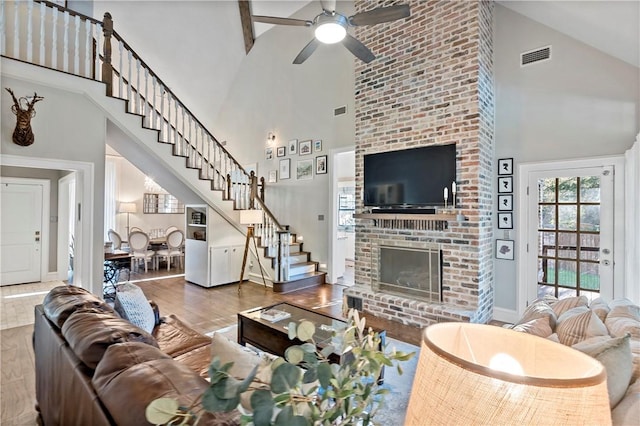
(305, 388)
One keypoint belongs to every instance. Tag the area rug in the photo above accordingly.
(399, 386)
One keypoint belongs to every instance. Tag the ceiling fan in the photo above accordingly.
(331, 27)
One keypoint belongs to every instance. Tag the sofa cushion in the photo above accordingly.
(563, 305)
(132, 305)
(126, 386)
(197, 360)
(90, 334)
(615, 355)
(64, 300)
(627, 412)
(578, 324)
(175, 338)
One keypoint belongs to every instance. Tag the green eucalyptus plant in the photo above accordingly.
(305, 388)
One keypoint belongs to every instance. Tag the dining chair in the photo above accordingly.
(115, 239)
(174, 249)
(135, 229)
(169, 230)
(139, 243)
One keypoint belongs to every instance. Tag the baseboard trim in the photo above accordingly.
(505, 315)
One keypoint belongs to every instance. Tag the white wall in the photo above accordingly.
(67, 127)
(582, 103)
(270, 94)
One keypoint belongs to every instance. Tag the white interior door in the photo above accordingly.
(569, 232)
(20, 233)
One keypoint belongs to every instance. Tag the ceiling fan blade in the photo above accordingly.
(306, 52)
(328, 5)
(358, 49)
(381, 14)
(282, 21)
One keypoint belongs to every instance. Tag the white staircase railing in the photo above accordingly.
(45, 34)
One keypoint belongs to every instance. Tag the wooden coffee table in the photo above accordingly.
(273, 337)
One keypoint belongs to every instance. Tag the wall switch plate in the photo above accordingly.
(320, 217)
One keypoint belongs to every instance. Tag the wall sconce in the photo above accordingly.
(271, 139)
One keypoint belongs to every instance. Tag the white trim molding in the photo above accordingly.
(632, 222)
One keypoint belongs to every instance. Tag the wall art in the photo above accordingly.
(317, 145)
(282, 151)
(321, 165)
(285, 168)
(304, 169)
(505, 202)
(504, 249)
(273, 176)
(305, 147)
(505, 166)
(293, 147)
(505, 184)
(505, 220)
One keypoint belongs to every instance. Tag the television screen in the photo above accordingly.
(409, 178)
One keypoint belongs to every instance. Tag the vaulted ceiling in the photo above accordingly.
(610, 26)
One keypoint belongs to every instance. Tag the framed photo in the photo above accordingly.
(282, 151)
(293, 147)
(505, 220)
(285, 168)
(504, 249)
(317, 145)
(505, 166)
(505, 184)
(273, 176)
(321, 165)
(505, 203)
(268, 154)
(304, 169)
(305, 147)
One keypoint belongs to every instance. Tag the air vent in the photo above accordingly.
(340, 110)
(533, 56)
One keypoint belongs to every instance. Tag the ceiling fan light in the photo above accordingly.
(330, 33)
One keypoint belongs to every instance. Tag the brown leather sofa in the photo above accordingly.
(95, 368)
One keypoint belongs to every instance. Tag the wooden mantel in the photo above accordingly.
(420, 222)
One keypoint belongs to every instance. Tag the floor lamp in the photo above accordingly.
(127, 208)
(250, 218)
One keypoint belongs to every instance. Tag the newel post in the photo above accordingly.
(253, 182)
(107, 69)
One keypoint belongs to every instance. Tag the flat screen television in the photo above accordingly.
(409, 178)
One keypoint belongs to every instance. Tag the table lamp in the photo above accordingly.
(250, 217)
(478, 374)
(127, 208)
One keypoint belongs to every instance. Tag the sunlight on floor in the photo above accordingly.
(17, 302)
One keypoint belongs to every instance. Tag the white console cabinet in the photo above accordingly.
(195, 249)
(225, 263)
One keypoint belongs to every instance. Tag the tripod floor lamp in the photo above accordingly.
(127, 208)
(250, 218)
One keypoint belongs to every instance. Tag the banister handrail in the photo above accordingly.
(70, 11)
(144, 64)
(186, 132)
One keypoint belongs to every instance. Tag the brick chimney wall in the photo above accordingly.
(431, 84)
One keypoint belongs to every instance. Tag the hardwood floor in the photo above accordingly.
(204, 309)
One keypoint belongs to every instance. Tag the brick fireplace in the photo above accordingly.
(431, 84)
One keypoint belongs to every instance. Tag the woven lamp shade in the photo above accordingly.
(476, 374)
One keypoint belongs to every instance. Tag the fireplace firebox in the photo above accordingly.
(415, 273)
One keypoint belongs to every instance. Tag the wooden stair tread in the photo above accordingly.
(299, 282)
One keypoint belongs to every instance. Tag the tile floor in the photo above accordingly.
(17, 302)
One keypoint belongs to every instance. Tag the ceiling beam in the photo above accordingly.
(247, 25)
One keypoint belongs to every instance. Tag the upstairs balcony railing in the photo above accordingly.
(51, 36)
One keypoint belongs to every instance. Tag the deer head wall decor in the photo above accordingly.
(23, 109)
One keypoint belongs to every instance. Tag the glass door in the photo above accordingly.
(573, 229)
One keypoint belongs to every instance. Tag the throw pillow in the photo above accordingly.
(578, 324)
(615, 355)
(563, 305)
(600, 307)
(537, 327)
(624, 319)
(132, 305)
(244, 360)
(539, 309)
